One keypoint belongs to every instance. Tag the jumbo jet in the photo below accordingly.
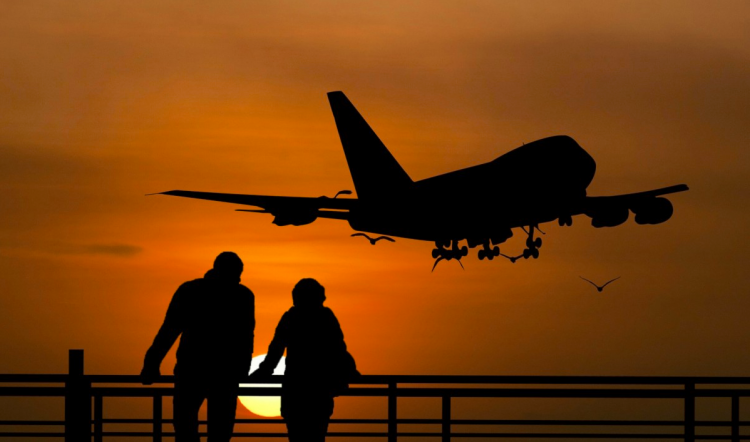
(539, 182)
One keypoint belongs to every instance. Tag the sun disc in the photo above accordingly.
(266, 406)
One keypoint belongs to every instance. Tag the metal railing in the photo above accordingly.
(84, 405)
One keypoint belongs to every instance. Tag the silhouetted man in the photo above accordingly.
(216, 317)
(318, 367)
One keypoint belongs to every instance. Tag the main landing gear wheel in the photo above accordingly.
(533, 243)
(489, 253)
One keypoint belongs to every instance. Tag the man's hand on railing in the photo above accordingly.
(260, 374)
(149, 375)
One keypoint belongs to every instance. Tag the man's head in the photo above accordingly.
(308, 293)
(228, 266)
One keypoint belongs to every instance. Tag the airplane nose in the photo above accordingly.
(584, 163)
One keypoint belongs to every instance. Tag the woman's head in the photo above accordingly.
(308, 293)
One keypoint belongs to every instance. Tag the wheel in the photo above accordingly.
(535, 253)
(490, 257)
(464, 251)
(538, 242)
(526, 253)
(481, 255)
(435, 253)
(529, 243)
(496, 251)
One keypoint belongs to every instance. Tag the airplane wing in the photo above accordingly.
(649, 207)
(286, 209)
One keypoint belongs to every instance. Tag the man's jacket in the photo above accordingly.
(216, 319)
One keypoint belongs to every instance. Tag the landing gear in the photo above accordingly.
(443, 253)
(450, 249)
(532, 245)
(489, 253)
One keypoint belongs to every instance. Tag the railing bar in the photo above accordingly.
(415, 434)
(98, 417)
(689, 413)
(392, 413)
(446, 419)
(427, 379)
(614, 423)
(735, 418)
(429, 422)
(157, 418)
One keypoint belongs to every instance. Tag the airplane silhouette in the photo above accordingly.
(373, 241)
(597, 287)
(536, 183)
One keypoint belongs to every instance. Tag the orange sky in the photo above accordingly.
(104, 102)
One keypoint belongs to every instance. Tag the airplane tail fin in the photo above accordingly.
(375, 172)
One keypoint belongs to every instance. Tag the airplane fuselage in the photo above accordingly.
(537, 182)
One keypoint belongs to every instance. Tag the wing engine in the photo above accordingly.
(294, 217)
(608, 215)
(653, 211)
(649, 207)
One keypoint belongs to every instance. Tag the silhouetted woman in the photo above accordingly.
(318, 366)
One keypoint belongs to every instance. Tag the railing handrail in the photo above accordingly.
(418, 379)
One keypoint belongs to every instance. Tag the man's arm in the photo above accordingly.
(165, 338)
(276, 348)
(248, 327)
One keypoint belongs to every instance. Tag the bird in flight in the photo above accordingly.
(373, 241)
(597, 287)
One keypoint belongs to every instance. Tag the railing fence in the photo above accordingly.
(82, 422)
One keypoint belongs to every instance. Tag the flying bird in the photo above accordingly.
(373, 241)
(597, 287)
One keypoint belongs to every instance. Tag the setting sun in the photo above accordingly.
(267, 406)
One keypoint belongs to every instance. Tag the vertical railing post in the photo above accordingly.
(392, 413)
(98, 418)
(735, 419)
(77, 400)
(157, 418)
(446, 420)
(689, 412)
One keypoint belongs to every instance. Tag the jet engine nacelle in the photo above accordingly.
(608, 216)
(654, 211)
(295, 217)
